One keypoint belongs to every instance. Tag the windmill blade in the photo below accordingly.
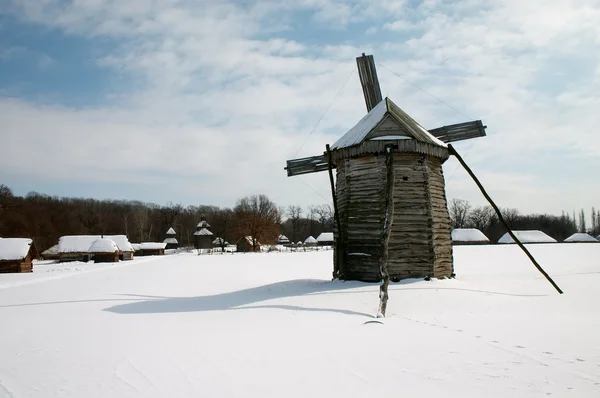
(460, 131)
(312, 164)
(369, 81)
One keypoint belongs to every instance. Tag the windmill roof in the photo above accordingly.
(14, 248)
(581, 237)
(527, 237)
(171, 231)
(371, 120)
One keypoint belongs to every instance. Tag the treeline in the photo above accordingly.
(463, 215)
(46, 218)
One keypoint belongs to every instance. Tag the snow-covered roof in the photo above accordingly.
(218, 241)
(76, 243)
(203, 224)
(52, 250)
(325, 237)
(136, 246)
(171, 231)
(249, 240)
(299, 242)
(152, 245)
(371, 120)
(468, 235)
(103, 245)
(527, 237)
(581, 237)
(14, 248)
(203, 231)
(121, 241)
(283, 239)
(170, 240)
(310, 239)
(81, 243)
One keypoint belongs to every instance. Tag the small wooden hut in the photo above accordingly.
(125, 248)
(171, 241)
(203, 238)
(75, 247)
(283, 240)
(104, 250)
(151, 249)
(310, 241)
(17, 255)
(325, 239)
(247, 244)
(51, 253)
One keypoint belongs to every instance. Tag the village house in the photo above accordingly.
(17, 255)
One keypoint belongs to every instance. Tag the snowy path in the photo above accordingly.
(274, 325)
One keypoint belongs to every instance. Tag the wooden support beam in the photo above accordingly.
(338, 261)
(491, 202)
(385, 238)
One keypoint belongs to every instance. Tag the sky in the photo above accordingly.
(202, 102)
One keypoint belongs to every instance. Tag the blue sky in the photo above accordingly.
(201, 102)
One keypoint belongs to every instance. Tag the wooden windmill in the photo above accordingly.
(389, 199)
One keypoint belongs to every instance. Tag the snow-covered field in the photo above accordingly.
(274, 325)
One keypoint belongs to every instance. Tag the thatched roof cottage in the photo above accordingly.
(469, 236)
(527, 237)
(104, 250)
(581, 237)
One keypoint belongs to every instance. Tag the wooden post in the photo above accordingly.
(385, 238)
(338, 261)
(512, 235)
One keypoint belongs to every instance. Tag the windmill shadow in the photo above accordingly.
(242, 299)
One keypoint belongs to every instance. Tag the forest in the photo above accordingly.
(46, 218)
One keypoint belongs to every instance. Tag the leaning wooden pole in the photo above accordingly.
(338, 262)
(387, 227)
(512, 235)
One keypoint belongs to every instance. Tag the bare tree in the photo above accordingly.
(140, 219)
(582, 227)
(481, 217)
(294, 214)
(459, 212)
(221, 225)
(257, 216)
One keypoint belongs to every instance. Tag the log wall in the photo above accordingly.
(419, 243)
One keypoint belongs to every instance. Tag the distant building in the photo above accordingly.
(17, 255)
(245, 244)
(283, 240)
(171, 241)
(325, 239)
(581, 238)
(104, 250)
(527, 237)
(469, 236)
(203, 238)
(310, 241)
(150, 249)
(76, 247)
(51, 253)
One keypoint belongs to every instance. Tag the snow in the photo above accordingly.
(170, 240)
(171, 231)
(325, 237)
(468, 235)
(581, 237)
(14, 248)
(152, 245)
(203, 231)
(81, 243)
(310, 240)
(103, 245)
(172, 326)
(527, 237)
(51, 250)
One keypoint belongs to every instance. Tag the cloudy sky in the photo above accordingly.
(201, 102)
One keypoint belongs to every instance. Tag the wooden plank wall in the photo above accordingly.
(420, 243)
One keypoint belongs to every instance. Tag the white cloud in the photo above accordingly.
(228, 94)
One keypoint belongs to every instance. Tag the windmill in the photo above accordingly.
(389, 200)
(391, 214)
